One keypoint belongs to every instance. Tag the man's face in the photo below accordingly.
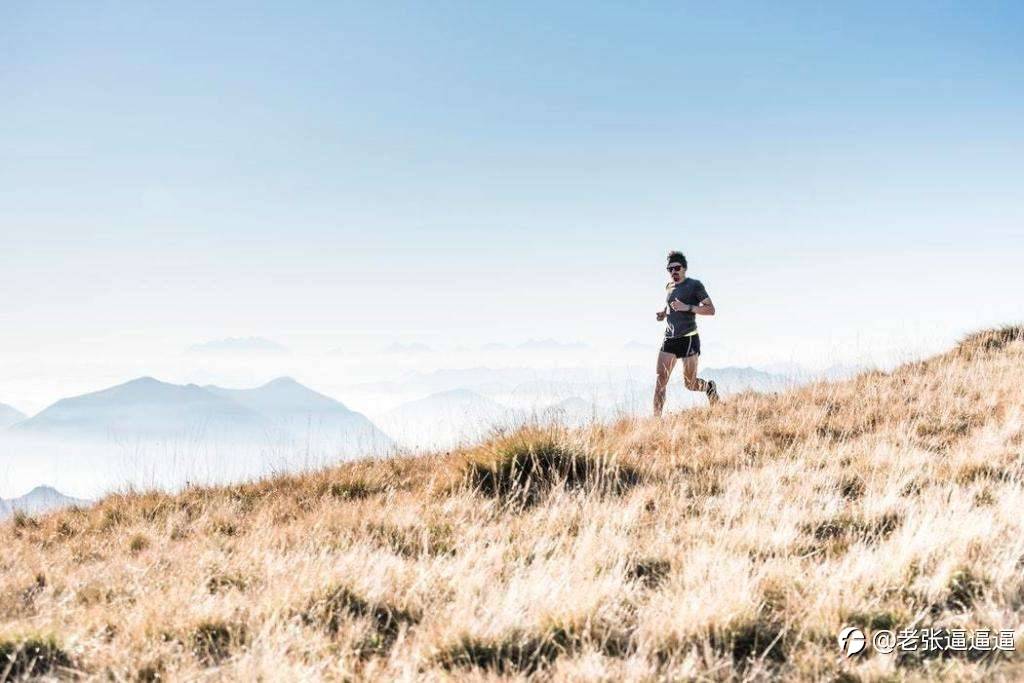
(676, 271)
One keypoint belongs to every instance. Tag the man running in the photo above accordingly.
(686, 298)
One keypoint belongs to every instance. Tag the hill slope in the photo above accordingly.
(9, 415)
(298, 410)
(721, 543)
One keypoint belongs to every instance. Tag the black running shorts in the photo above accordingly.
(682, 347)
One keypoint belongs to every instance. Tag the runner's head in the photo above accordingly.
(676, 266)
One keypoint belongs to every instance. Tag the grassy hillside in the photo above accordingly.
(720, 543)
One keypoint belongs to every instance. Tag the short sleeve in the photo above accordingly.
(700, 292)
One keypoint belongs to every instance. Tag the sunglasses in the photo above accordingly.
(674, 269)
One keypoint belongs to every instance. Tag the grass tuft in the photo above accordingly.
(335, 606)
(138, 543)
(31, 658)
(875, 620)
(221, 583)
(517, 653)
(847, 528)
(112, 518)
(991, 340)
(224, 527)
(649, 572)
(524, 470)
(150, 673)
(213, 641)
(759, 638)
(21, 521)
(525, 653)
(414, 541)
(852, 488)
(352, 490)
(965, 590)
(969, 474)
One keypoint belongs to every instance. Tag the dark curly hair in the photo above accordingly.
(677, 257)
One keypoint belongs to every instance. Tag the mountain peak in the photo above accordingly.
(41, 490)
(143, 381)
(39, 500)
(282, 382)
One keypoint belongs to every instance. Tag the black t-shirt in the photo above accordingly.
(689, 291)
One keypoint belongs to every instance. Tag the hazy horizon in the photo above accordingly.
(420, 403)
(33, 380)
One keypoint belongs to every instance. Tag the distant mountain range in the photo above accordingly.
(143, 407)
(284, 419)
(147, 408)
(37, 501)
(239, 345)
(10, 416)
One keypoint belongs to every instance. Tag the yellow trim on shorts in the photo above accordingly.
(690, 334)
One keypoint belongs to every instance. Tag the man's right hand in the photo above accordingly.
(661, 315)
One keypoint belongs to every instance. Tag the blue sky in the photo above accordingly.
(471, 172)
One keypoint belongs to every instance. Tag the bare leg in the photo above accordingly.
(666, 361)
(693, 382)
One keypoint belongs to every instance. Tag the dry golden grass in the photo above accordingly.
(716, 544)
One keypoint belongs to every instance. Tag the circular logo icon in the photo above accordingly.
(852, 641)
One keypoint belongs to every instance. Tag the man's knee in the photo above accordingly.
(692, 383)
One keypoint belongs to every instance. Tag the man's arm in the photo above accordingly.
(706, 307)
